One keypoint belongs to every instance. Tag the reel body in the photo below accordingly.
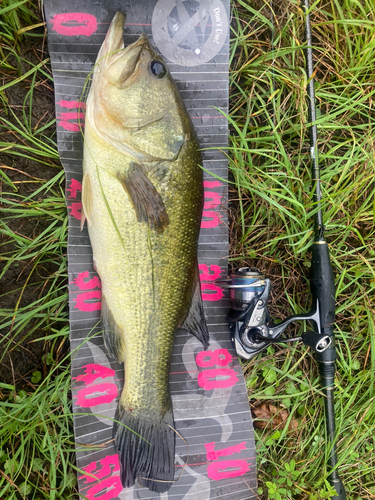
(249, 321)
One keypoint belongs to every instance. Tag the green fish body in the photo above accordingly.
(142, 199)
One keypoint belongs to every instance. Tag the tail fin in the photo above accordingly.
(146, 448)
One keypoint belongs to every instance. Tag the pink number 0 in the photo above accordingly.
(218, 470)
(74, 23)
(208, 379)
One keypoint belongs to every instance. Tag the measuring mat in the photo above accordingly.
(216, 457)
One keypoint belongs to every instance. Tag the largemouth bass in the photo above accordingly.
(142, 198)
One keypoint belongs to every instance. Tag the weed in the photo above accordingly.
(272, 228)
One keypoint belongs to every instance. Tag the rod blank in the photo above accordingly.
(322, 279)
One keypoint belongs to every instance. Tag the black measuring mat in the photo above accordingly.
(216, 457)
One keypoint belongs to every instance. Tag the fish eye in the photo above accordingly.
(158, 69)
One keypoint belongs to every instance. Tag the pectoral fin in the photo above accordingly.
(147, 203)
(195, 322)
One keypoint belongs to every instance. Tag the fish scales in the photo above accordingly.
(142, 199)
(143, 269)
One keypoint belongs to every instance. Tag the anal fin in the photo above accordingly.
(195, 323)
(112, 334)
(147, 203)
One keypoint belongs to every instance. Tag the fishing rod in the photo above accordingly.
(322, 281)
(248, 318)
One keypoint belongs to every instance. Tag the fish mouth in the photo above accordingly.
(139, 46)
(113, 56)
(121, 66)
(122, 69)
(142, 41)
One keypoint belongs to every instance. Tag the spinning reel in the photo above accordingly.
(249, 321)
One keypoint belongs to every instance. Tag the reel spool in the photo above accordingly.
(246, 285)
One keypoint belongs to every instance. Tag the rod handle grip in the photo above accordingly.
(323, 285)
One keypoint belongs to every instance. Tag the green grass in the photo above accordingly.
(272, 219)
(36, 431)
(272, 228)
